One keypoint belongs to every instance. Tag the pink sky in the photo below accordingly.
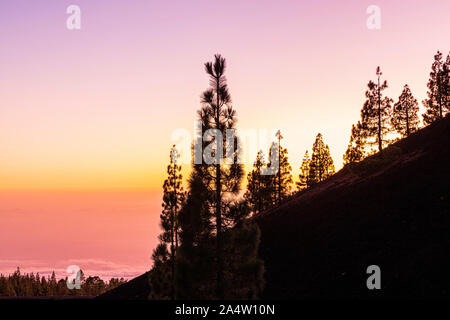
(104, 233)
(86, 116)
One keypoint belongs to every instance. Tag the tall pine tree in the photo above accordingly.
(283, 177)
(219, 178)
(304, 181)
(376, 111)
(438, 103)
(196, 261)
(173, 198)
(446, 89)
(162, 275)
(258, 193)
(280, 181)
(321, 166)
(212, 262)
(404, 115)
(355, 151)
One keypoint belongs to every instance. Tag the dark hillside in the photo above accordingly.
(135, 289)
(392, 211)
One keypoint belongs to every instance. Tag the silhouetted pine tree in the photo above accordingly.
(355, 151)
(45, 288)
(446, 90)
(220, 179)
(438, 103)
(321, 166)
(196, 261)
(211, 217)
(6, 288)
(173, 198)
(376, 111)
(244, 270)
(52, 284)
(257, 194)
(196, 267)
(161, 274)
(279, 184)
(404, 115)
(304, 181)
(283, 178)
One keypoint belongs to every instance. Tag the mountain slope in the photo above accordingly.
(135, 289)
(393, 212)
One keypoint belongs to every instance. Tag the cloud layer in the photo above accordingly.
(91, 267)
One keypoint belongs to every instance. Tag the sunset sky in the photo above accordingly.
(86, 116)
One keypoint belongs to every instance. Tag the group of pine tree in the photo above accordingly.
(30, 284)
(209, 246)
(382, 120)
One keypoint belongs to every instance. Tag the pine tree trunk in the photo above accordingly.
(380, 144)
(407, 122)
(439, 88)
(279, 169)
(219, 236)
(219, 292)
(172, 236)
(172, 253)
(259, 199)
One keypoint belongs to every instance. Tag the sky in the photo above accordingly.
(87, 116)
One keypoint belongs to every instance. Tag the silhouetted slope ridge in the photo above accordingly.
(392, 211)
(135, 289)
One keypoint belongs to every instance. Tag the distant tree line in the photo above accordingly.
(30, 284)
